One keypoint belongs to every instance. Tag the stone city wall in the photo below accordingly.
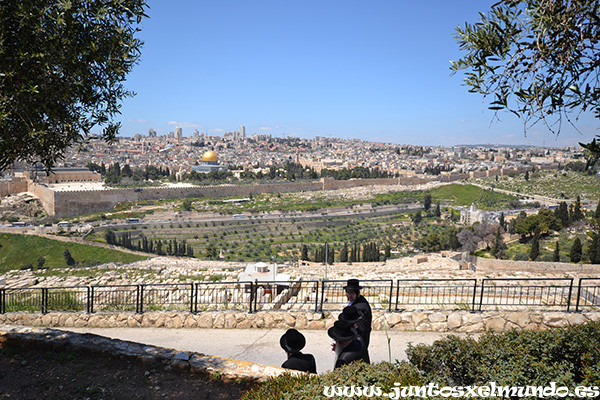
(424, 321)
(15, 185)
(185, 361)
(45, 194)
(77, 202)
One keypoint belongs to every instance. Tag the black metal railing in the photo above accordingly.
(379, 293)
(436, 293)
(588, 293)
(547, 293)
(315, 295)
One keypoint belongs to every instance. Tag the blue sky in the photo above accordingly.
(373, 70)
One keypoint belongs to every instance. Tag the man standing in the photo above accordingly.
(357, 300)
(349, 346)
(292, 342)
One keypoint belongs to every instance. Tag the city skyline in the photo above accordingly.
(376, 72)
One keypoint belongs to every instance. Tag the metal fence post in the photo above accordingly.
(474, 295)
(397, 294)
(139, 298)
(569, 297)
(251, 297)
(2, 301)
(317, 298)
(481, 297)
(44, 300)
(391, 294)
(255, 293)
(88, 306)
(322, 295)
(191, 298)
(578, 296)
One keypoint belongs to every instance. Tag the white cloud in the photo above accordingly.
(217, 130)
(265, 128)
(139, 121)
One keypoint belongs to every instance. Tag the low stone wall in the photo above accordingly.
(425, 321)
(168, 358)
(534, 266)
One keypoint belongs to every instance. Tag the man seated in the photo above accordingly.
(348, 346)
(292, 342)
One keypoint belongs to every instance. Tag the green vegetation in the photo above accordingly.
(568, 356)
(465, 195)
(557, 185)
(17, 251)
(94, 48)
(257, 239)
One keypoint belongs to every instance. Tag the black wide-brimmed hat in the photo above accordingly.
(352, 284)
(350, 314)
(292, 341)
(341, 331)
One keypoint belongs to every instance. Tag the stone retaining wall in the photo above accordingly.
(168, 358)
(533, 266)
(426, 321)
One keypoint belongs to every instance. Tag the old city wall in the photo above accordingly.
(45, 195)
(16, 185)
(77, 202)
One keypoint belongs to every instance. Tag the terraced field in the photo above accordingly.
(282, 239)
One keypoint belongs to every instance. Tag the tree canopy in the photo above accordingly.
(538, 59)
(62, 68)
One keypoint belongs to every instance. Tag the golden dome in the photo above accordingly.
(209, 156)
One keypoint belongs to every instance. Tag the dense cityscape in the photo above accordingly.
(180, 153)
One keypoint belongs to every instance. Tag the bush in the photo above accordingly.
(309, 387)
(568, 356)
(521, 257)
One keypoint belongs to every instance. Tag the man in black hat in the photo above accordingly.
(357, 300)
(349, 345)
(292, 342)
(351, 315)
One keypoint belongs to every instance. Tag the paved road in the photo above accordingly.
(260, 345)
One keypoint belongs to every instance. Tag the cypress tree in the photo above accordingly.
(330, 255)
(576, 251)
(577, 211)
(556, 254)
(344, 253)
(594, 249)
(535, 247)
(304, 253)
(427, 202)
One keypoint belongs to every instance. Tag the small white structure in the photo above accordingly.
(262, 272)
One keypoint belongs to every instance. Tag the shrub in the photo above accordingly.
(309, 387)
(568, 356)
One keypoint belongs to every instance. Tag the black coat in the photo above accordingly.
(301, 362)
(365, 321)
(355, 351)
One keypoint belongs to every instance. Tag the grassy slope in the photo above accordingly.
(20, 250)
(465, 195)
